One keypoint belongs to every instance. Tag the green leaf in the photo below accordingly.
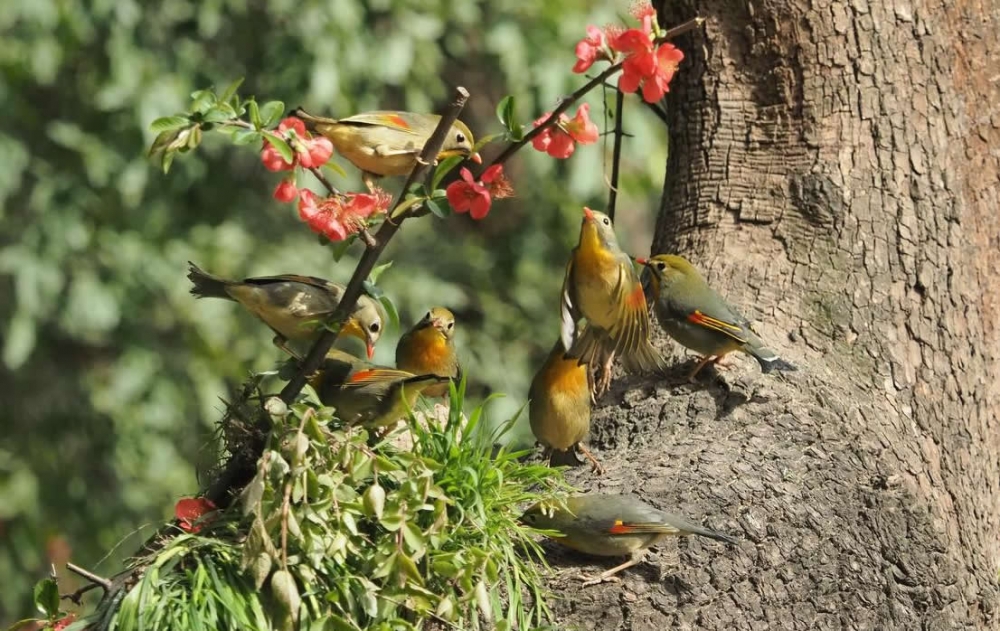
(270, 112)
(374, 501)
(168, 123)
(47, 597)
(202, 101)
(282, 146)
(168, 158)
(194, 138)
(336, 168)
(164, 140)
(246, 136)
(286, 592)
(505, 112)
(377, 272)
(372, 289)
(390, 310)
(436, 207)
(254, 110)
(338, 248)
(485, 140)
(231, 89)
(444, 168)
(220, 115)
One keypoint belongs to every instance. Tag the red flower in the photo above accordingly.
(581, 128)
(64, 622)
(314, 152)
(499, 186)
(189, 510)
(468, 195)
(589, 49)
(307, 151)
(558, 140)
(273, 160)
(643, 11)
(631, 42)
(286, 190)
(338, 217)
(653, 71)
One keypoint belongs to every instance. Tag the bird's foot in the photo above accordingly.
(603, 577)
(595, 466)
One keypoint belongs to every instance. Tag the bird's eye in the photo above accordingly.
(607, 222)
(374, 327)
(460, 137)
(428, 316)
(661, 266)
(451, 325)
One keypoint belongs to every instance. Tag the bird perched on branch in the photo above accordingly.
(695, 315)
(612, 525)
(429, 348)
(295, 307)
(367, 394)
(389, 142)
(602, 286)
(559, 405)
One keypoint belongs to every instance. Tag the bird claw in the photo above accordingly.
(596, 580)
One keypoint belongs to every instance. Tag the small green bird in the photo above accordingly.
(389, 142)
(366, 394)
(692, 313)
(295, 307)
(612, 525)
(429, 348)
(559, 405)
(602, 286)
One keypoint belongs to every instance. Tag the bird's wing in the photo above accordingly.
(371, 376)
(391, 120)
(632, 320)
(569, 311)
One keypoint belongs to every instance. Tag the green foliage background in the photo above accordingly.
(111, 372)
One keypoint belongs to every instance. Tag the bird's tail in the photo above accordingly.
(592, 347)
(421, 382)
(205, 285)
(768, 359)
(644, 359)
(312, 121)
(711, 534)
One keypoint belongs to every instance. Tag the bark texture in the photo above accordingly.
(834, 171)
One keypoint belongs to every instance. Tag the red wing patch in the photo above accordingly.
(637, 299)
(620, 528)
(362, 375)
(709, 322)
(399, 121)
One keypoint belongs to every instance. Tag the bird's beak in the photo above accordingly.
(371, 349)
(588, 214)
(475, 157)
(640, 260)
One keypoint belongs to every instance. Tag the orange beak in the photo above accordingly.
(641, 261)
(588, 214)
(371, 350)
(475, 157)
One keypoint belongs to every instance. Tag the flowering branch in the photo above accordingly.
(371, 255)
(566, 102)
(363, 231)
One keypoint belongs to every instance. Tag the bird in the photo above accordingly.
(429, 348)
(692, 313)
(612, 525)
(367, 394)
(295, 307)
(559, 405)
(389, 142)
(601, 284)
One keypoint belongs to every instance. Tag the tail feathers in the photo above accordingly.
(711, 534)
(310, 120)
(592, 347)
(205, 285)
(769, 360)
(424, 381)
(644, 359)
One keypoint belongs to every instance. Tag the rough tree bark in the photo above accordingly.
(834, 170)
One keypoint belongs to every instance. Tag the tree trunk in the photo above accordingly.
(834, 171)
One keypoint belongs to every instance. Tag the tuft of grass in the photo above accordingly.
(336, 533)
